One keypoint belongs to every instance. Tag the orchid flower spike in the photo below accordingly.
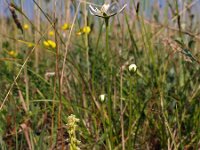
(107, 10)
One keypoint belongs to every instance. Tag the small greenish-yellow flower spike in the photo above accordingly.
(71, 128)
(132, 68)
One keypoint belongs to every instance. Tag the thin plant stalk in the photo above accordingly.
(2, 27)
(37, 24)
(121, 110)
(107, 34)
(85, 105)
(26, 78)
(67, 10)
(57, 73)
(26, 84)
(108, 71)
(86, 41)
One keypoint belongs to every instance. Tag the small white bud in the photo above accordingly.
(102, 97)
(183, 26)
(49, 74)
(132, 68)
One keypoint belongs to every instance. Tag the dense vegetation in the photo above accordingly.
(71, 80)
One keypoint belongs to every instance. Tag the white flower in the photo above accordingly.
(132, 68)
(107, 10)
(102, 97)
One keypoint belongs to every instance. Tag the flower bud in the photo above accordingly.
(132, 68)
(102, 97)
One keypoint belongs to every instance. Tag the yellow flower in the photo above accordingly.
(30, 45)
(26, 27)
(79, 33)
(51, 33)
(46, 44)
(12, 53)
(52, 43)
(49, 43)
(66, 26)
(86, 29)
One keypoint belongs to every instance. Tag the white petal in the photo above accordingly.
(92, 9)
(91, 12)
(95, 11)
(98, 11)
(122, 8)
(114, 7)
(105, 7)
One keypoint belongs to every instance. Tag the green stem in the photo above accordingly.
(108, 71)
(107, 47)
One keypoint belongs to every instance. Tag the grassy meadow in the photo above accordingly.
(123, 81)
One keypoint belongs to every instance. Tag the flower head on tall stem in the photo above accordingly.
(107, 10)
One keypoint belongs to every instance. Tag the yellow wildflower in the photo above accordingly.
(12, 53)
(52, 43)
(66, 26)
(30, 45)
(26, 27)
(49, 43)
(86, 29)
(51, 33)
(46, 44)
